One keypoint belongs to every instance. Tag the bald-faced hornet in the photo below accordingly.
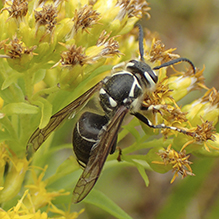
(94, 135)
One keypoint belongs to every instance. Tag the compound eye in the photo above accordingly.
(153, 75)
(151, 78)
(142, 68)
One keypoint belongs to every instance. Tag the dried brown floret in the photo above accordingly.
(176, 115)
(159, 96)
(92, 2)
(18, 9)
(133, 8)
(211, 96)
(46, 17)
(73, 56)
(178, 160)
(205, 131)
(16, 48)
(85, 18)
(110, 45)
(161, 101)
(158, 52)
(202, 133)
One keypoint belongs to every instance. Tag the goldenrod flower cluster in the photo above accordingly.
(53, 51)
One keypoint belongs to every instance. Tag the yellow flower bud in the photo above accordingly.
(14, 179)
(205, 107)
(186, 82)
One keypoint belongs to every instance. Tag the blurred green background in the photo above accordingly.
(193, 28)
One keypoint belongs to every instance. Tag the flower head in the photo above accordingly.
(18, 9)
(21, 210)
(46, 17)
(38, 192)
(178, 160)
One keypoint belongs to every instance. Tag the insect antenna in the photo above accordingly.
(174, 62)
(140, 42)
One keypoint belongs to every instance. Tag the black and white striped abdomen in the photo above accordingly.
(86, 134)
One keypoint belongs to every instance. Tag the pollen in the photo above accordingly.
(18, 9)
(85, 18)
(178, 160)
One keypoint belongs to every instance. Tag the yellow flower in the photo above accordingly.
(38, 192)
(22, 211)
(184, 82)
(178, 160)
(198, 137)
(205, 107)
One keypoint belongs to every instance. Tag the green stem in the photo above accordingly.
(28, 79)
(138, 145)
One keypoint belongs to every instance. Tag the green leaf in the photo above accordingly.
(46, 112)
(4, 136)
(142, 172)
(100, 200)
(131, 129)
(10, 80)
(39, 76)
(139, 164)
(19, 108)
(68, 166)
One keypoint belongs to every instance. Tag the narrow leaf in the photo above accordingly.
(100, 200)
(11, 79)
(19, 108)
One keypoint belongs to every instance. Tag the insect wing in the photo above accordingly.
(98, 156)
(40, 135)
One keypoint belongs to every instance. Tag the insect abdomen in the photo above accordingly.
(86, 135)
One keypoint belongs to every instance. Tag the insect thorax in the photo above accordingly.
(122, 88)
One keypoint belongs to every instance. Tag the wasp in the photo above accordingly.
(95, 135)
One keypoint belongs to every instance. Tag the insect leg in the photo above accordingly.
(152, 107)
(159, 126)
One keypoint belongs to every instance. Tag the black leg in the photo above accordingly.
(160, 126)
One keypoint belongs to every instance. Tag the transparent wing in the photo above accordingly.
(98, 156)
(40, 135)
